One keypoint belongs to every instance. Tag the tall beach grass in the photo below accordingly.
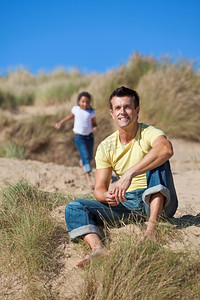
(143, 270)
(169, 91)
(29, 237)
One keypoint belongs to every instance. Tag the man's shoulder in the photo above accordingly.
(111, 138)
(149, 131)
(109, 142)
(145, 127)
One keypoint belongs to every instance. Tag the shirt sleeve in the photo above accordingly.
(93, 115)
(73, 110)
(101, 158)
(151, 134)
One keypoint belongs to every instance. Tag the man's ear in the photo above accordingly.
(137, 110)
(111, 112)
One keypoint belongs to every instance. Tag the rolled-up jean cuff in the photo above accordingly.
(155, 189)
(77, 232)
(87, 168)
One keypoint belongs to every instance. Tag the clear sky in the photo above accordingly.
(41, 35)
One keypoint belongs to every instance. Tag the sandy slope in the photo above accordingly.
(51, 177)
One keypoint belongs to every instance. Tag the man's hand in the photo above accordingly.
(161, 151)
(110, 198)
(121, 187)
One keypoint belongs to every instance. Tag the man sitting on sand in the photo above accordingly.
(139, 155)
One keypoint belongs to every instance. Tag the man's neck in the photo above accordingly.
(126, 135)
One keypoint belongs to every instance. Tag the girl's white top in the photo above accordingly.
(82, 120)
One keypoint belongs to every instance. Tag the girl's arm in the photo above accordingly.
(94, 124)
(59, 124)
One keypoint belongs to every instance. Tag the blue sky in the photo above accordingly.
(95, 36)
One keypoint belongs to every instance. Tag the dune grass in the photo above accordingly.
(39, 140)
(10, 149)
(171, 100)
(22, 88)
(143, 270)
(134, 269)
(28, 239)
(169, 92)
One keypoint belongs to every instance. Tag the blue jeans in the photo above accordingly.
(84, 215)
(85, 144)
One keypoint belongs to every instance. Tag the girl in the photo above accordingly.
(84, 125)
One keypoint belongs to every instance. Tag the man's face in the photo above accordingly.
(124, 112)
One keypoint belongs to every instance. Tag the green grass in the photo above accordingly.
(10, 149)
(7, 100)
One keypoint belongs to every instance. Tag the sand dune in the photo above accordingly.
(69, 180)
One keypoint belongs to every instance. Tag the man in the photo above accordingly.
(139, 155)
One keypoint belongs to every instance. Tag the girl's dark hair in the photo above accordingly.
(125, 92)
(84, 94)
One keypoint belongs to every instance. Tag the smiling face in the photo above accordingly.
(84, 103)
(124, 112)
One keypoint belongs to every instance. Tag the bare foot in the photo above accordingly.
(81, 165)
(91, 186)
(87, 259)
(149, 235)
(89, 181)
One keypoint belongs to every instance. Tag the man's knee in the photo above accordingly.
(72, 210)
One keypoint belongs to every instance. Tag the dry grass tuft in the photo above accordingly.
(29, 238)
(169, 95)
(171, 100)
(138, 269)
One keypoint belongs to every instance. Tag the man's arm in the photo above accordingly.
(102, 181)
(161, 152)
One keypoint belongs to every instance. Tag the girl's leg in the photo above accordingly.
(81, 142)
(89, 180)
(90, 146)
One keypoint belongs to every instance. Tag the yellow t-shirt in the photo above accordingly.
(112, 153)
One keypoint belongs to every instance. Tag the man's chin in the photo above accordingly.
(123, 125)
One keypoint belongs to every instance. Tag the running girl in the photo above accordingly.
(84, 124)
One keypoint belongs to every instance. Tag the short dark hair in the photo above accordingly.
(84, 94)
(125, 92)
